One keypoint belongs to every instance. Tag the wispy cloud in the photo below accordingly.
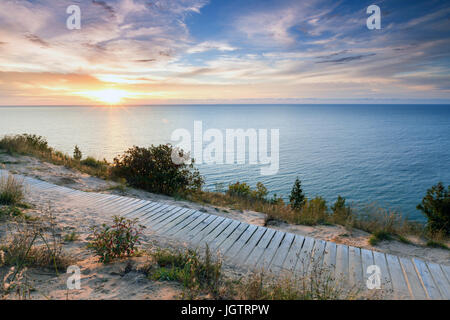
(278, 49)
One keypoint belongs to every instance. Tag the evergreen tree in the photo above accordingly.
(297, 198)
(77, 155)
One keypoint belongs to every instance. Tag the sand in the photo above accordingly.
(117, 281)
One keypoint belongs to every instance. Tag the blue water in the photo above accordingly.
(388, 154)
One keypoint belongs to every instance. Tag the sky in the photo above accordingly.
(223, 51)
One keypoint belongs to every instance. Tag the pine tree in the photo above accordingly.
(297, 198)
(77, 155)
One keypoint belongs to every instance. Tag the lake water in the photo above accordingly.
(388, 154)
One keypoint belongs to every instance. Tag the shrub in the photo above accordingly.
(261, 191)
(93, 163)
(24, 143)
(436, 206)
(11, 190)
(277, 201)
(152, 169)
(379, 236)
(116, 241)
(313, 212)
(297, 198)
(341, 213)
(77, 155)
(196, 273)
(239, 189)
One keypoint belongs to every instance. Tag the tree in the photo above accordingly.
(153, 169)
(77, 155)
(297, 198)
(339, 204)
(436, 206)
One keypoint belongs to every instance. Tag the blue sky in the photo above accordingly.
(198, 51)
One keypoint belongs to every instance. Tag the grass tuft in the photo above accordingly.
(11, 190)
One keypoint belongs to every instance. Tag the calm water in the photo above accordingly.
(384, 154)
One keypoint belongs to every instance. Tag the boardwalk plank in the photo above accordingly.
(246, 249)
(259, 248)
(183, 224)
(293, 254)
(282, 252)
(304, 257)
(440, 279)
(233, 237)
(414, 281)
(342, 268)
(399, 281)
(199, 236)
(329, 257)
(240, 243)
(266, 258)
(217, 241)
(380, 261)
(427, 279)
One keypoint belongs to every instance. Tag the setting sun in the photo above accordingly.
(109, 96)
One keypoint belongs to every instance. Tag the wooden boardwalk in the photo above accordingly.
(258, 247)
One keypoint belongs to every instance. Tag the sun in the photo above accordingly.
(108, 96)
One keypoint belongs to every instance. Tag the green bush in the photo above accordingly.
(436, 206)
(243, 190)
(93, 163)
(239, 189)
(341, 213)
(116, 241)
(313, 212)
(24, 143)
(152, 169)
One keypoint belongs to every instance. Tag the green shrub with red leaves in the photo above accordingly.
(117, 241)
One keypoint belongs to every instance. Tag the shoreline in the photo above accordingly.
(75, 179)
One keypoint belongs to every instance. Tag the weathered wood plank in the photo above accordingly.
(241, 241)
(329, 257)
(380, 261)
(427, 279)
(440, 279)
(317, 254)
(294, 253)
(304, 257)
(398, 277)
(233, 237)
(355, 267)
(152, 213)
(342, 268)
(217, 231)
(183, 224)
(260, 247)
(414, 281)
(198, 221)
(217, 241)
(200, 235)
(246, 249)
(138, 211)
(170, 220)
(268, 254)
(281, 253)
(201, 227)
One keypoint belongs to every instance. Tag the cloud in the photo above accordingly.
(210, 45)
